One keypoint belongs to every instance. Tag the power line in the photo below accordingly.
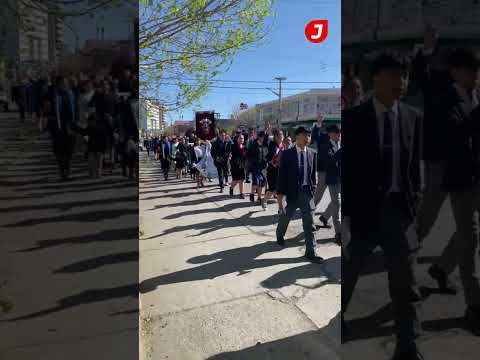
(258, 81)
(240, 88)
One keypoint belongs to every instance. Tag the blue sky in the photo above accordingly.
(285, 53)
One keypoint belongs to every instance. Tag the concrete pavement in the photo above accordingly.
(215, 285)
(69, 255)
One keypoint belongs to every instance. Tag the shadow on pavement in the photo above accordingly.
(241, 261)
(104, 236)
(92, 216)
(85, 297)
(97, 262)
(311, 345)
(220, 224)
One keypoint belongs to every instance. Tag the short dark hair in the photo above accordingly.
(462, 58)
(389, 60)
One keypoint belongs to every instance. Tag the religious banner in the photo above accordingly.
(205, 125)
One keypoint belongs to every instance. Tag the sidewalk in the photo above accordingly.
(68, 255)
(215, 285)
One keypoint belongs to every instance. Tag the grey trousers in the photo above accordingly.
(307, 207)
(95, 164)
(462, 247)
(321, 186)
(333, 208)
(387, 230)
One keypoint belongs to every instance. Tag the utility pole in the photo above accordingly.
(279, 94)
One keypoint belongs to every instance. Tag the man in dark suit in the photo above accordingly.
(60, 125)
(381, 181)
(220, 157)
(296, 181)
(321, 140)
(450, 165)
(332, 162)
(165, 151)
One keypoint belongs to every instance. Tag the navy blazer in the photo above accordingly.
(363, 180)
(332, 165)
(321, 140)
(289, 173)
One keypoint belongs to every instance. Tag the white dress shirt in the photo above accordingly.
(305, 164)
(380, 111)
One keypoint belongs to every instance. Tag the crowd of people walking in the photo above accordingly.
(255, 158)
(92, 115)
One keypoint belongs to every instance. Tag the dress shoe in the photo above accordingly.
(472, 319)
(344, 328)
(338, 239)
(324, 221)
(441, 277)
(314, 258)
(281, 241)
(412, 354)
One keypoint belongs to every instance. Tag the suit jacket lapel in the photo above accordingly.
(373, 124)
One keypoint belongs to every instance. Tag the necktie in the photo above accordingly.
(387, 150)
(302, 168)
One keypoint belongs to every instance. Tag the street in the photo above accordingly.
(73, 291)
(215, 285)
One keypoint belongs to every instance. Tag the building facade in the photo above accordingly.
(151, 116)
(299, 109)
(372, 26)
(31, 36)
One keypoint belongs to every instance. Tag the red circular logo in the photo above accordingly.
(316, 31)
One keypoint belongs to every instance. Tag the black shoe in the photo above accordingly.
(441, 277)
(252, 197)
(472, 319)
(343, 327)
(324, 222)
(242, 196)
(247, 181)
(231, 191)
(412, 354)
(338, 239)
(314, 258)
(281, 241)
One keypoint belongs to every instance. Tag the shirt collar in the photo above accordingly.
(299, 150)
(381, 109)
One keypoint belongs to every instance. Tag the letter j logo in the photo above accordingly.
(316, 31)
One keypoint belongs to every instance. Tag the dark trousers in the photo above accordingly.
(387, 230)
(462, 247)
(21, 108)
(222, 170)
(63, 150)
(306, 205)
